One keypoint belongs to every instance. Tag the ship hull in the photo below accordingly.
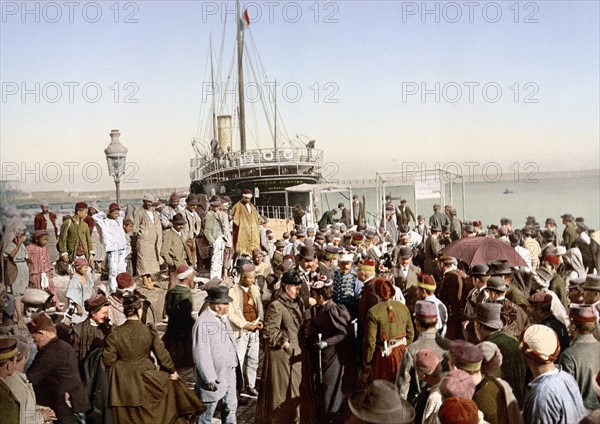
(271, 189)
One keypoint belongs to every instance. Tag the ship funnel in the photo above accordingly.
(224, 133)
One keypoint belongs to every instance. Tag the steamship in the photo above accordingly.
(219, 168)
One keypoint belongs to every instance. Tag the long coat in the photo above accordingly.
(245, 228)
(453, 293)
(432, 251)
(215, 357)
(340, 379)
(140, 393)
(71, 233)
(149, 241)
(53, 373)
(285, 385)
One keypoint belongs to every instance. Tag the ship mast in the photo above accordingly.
(212, 81)
(240, 47)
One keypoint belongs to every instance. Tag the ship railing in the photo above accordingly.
(221, 168)
(275, 212)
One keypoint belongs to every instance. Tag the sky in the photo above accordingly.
(380, 85)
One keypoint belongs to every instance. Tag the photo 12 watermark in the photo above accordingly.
(63, 173)
(469, 172)
(273, 11)
(53, 12)
(69, 92)
(452, 12)
(271, 92)
(469, 92)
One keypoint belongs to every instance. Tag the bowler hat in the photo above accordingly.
(469, 228)
(279, 243)
(406, 252)
(479, 270)
(550, 221)
(488, 314)
(497, 284)
(218, 295)
(381, 403)
(592, 282)
(435, 228)
(178, 219)
(543, 277)
(307, 253)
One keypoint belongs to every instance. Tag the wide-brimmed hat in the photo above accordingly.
(178, 219)
(381, 403)
(279, 243)
(592, 282)
(307, 253)
(488, 314)
(500, 267)
(192, 200)
(568, 217)
(218, 295)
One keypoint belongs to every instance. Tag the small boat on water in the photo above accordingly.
(507, 191)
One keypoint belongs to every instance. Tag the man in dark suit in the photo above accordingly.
(432, 250)
(404, 214)
(345, 219)
(407, 272)
(453, 292)
(215, 357)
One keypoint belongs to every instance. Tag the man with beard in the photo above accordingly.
(246, 220)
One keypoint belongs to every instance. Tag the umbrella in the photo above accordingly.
(481, 250)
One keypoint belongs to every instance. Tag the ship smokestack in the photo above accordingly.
(224, 133)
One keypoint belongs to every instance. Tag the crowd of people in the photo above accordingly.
(344, 323)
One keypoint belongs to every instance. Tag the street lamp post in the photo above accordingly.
(115, 157)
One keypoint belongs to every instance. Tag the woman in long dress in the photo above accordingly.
(338, 362)
(140, 392)
(13, 250)
(285, 395)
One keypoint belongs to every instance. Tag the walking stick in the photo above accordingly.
(320, 362)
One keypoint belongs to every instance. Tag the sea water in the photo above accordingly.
(485, 201)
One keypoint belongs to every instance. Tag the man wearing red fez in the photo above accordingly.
(75, 240)
(246, 316)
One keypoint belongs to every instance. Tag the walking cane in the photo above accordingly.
(320, 362)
